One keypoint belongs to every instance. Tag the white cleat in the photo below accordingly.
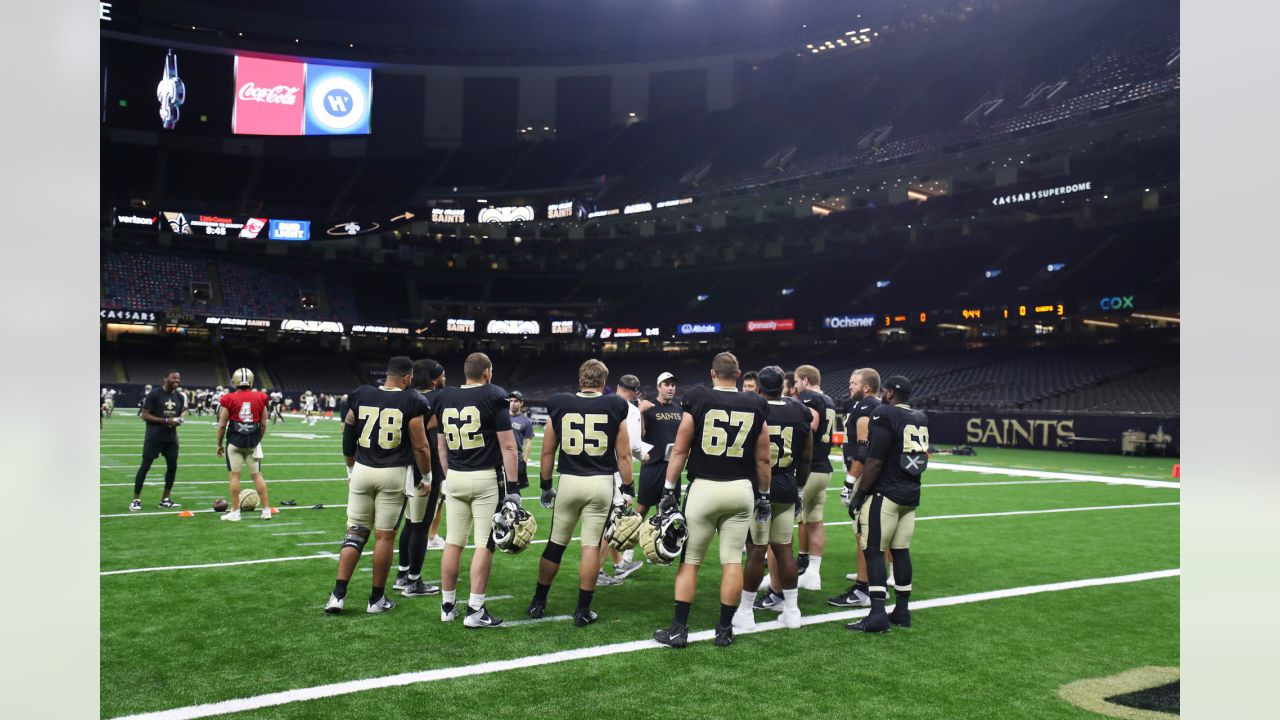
(231, 516)
(810, 580)
(448, 611)
(266, 513)
(334, 606)
(383, 605)
(764, 583)
(744, 619)
(790, 618)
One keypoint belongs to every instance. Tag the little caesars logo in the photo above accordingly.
(1019, 433)
(278, 95)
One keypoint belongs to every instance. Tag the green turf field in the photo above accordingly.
(196, 611)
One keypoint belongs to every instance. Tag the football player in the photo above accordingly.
(479, 456)
(145, 392)
(309, 408)
(750, 382)
(789, 385)
(591, 433)
(418, 509)
(814, 492)
(162, 412)
(383, 434)
(659, 422)
(725, 439)
(276, 405)
(864, 398)
(245, 411)
(884, 504)
(791, 444)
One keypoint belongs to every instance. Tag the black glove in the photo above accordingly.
(548, 498)
(764, 510)
(668, 501)
(855, 504)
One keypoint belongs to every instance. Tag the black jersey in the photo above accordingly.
(432, 400)
(164, 405)
(854, 410)
(826, 410)
(471, 417)
(660, 425)
(726, 424)
(382, 424)
(900, 439)
(587, 427)
(788, 432)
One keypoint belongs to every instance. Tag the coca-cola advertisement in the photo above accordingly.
(269, 97)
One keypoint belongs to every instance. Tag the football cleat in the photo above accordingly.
(448, 611)
(900, 616)
(435, 543)
(603, 580)
(584, 616)
(537, 609)
(626, 569)
(663, 537)
(513, 526)
(744, 618)
(480, 618)
(790, 618)
(870, 624)
(402, 580)
(231, 516)
(266, 513)
(135, 505)
(334, 606)
(769, 601)
(724, 636)
(383, 605)
(764, 583)
(676, 636)
(417, 588)
(810, 581)
(851, 598)
(167, 503)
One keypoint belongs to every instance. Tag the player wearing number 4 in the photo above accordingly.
(589, 429)
(244, 412)
(884, 505)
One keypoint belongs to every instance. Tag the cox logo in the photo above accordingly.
(1116, 302)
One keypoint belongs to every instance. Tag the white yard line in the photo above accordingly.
(266, 461)
(546, 619)
(1050, 475)
(176, 512)
(272, 481)
(303, 532)
(543, 541)
(487, 668)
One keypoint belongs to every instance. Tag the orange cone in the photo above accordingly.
(186, 513)
(275, 511)
(1177, 470)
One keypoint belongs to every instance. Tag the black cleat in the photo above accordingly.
(870, 624)
(167, 503)
(724, 635)
(402, 580)
(480, 619)
(852, 598)
(417, 588)
(769, 601)
(537, 609)
(677, 636)
(901, 617)
(584, 616)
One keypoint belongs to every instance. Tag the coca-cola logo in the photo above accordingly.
(277, 95)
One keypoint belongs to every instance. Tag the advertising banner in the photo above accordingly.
(771, 325)
(845, 322)
(290, 97)
(1051, 431)
(698, 328)
(293, 230)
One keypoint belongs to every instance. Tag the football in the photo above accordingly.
(219, 505)
(248, 499)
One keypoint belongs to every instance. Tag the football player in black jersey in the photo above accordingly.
(886, 500)
(864, 398)
(659, 421)
(162, 410)
(725, 439)
(590, 431)
(809, 392)
(480, 460)
(419, 509)
(791, 445)
(383, 434)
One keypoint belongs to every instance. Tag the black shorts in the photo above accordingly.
(653, 477)
(152, 449)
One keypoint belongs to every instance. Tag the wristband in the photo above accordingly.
(668, 485)
(544, 483)
(629, 490)
(513, 489)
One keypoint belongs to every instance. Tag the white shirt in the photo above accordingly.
(638, 447)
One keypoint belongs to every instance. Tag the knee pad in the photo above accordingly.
(553, 552)
(356, 538)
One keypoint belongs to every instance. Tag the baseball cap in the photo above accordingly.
(630, 382)
(515, 395)
(769, 379)
(897, 383)
(667, 376)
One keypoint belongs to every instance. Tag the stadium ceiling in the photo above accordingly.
(499, 32)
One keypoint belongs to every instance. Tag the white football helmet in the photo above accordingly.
(663, 537)
(513, 527)
(242, 378)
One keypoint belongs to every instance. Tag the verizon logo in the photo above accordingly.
(278, 95)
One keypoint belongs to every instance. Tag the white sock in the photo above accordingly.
(448, 597)
(791, 599)
(402, 568)
(475, 601)
(815, 564)
(748, 598)
(628, 555)
(414, 578)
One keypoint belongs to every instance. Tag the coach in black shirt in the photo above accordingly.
(162, 411)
